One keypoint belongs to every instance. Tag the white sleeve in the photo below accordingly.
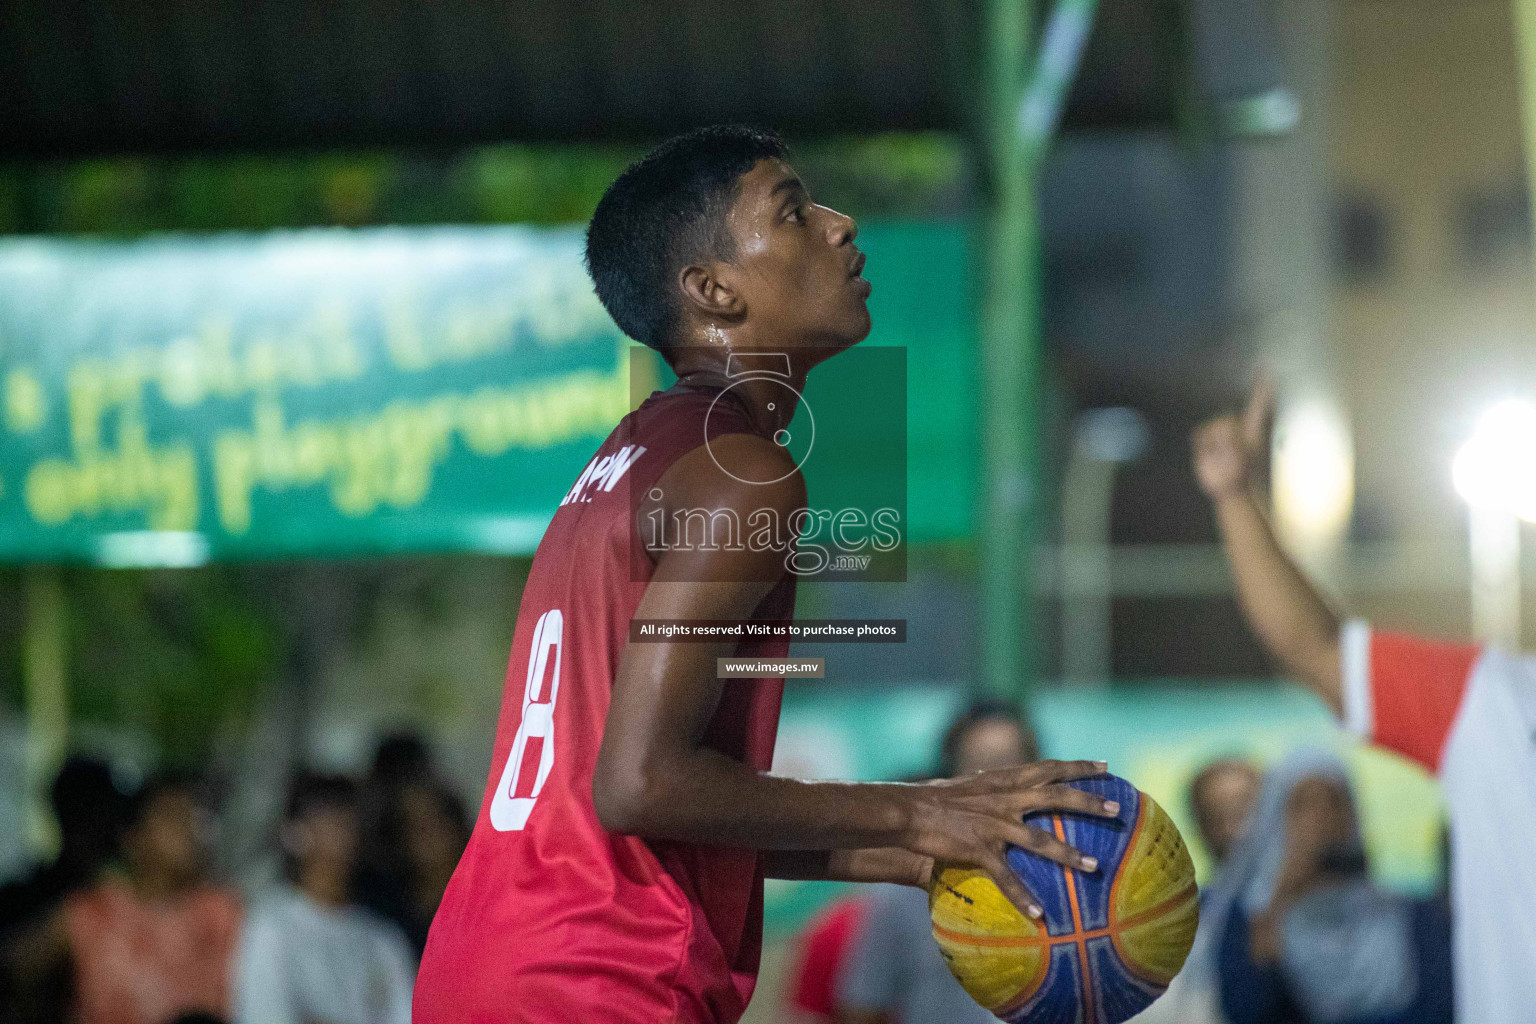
(1355, 677)
(262, 994)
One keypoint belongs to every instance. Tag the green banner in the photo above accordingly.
(330, 392)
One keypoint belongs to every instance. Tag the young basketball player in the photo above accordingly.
(615, 871)
(1466, 714)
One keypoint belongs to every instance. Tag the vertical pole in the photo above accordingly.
(45, 675)
(1025, 98)
(1525, 47)
(1086, 492)
(1010, 364)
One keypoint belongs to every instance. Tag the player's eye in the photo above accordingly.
(796, 215)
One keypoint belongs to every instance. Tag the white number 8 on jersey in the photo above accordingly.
(515, 795)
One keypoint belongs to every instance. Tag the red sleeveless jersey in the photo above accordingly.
(549, 918)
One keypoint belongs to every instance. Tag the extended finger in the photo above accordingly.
(1017, 892)
(1068, 799)
(1043, 844)
(1042, 772)
(1259, 417)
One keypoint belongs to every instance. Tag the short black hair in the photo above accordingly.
(985, 709)
(84, 787)
(312, 790)
(665, 211)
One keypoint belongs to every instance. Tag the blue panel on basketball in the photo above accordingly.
(1110, 940)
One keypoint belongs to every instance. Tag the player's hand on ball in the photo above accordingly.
(1230, 450)
(973, 820)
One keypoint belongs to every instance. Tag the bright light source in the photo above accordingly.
(1496, 469)
(1314, 475)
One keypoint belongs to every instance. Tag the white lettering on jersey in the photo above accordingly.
(602, 473)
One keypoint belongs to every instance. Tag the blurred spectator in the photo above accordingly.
(1303, 935)
(89, 810)
(823, 951)
(157, 941)
(989, 734)
(307, 954)
(1221, 796)
(400, 759)
(384, 882)
(422, 836)
(894, 971)
(1464, 713)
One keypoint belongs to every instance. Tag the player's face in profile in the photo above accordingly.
(799, 268)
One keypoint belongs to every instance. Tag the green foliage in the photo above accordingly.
(175, 655)
(890, 175)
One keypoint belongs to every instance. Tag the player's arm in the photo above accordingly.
(1285, 610)
(656, 777)
(883, 864)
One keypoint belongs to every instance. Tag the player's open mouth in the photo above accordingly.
(854, 270)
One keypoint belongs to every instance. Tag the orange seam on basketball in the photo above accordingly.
(1077, 925)
(1011, 941)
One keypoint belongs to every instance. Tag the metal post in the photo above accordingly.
(1024, 103)
(1525, 47)
(1009, 363)
(1102, 439)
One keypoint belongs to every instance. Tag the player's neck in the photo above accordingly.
(763, 395)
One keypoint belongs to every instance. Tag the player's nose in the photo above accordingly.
(841, 229)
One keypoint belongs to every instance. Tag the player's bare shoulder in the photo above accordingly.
(725, 507)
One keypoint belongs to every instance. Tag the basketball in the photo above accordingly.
(1110, 941)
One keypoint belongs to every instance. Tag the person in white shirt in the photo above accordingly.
(1465, 713)
(307, 954)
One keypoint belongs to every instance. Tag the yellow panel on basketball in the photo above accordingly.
(998, 954)
(1155, 903)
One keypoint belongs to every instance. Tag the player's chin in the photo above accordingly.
(859, 321)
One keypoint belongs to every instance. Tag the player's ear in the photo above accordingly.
(710, 293)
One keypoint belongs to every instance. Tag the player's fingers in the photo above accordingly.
(1017, 892)
(1259, 417)
(1042, 772)
(1068, 799)
(1043, 844)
